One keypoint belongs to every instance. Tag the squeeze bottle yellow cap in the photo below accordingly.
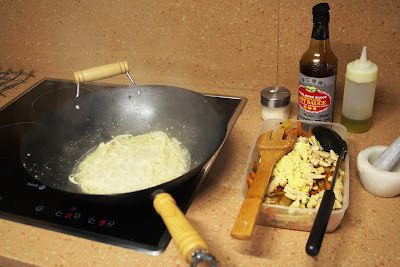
(362, 70)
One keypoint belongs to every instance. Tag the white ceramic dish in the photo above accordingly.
(290, 217)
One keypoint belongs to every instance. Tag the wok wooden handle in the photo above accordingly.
(187, 239)
(247, 217)
(101, 72)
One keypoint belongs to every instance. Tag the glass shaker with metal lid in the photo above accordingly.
(275, 102)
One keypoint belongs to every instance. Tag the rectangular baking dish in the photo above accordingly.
(291, 217)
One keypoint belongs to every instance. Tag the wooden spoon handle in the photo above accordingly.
(101, 72)
(247, 217)
(187, 239)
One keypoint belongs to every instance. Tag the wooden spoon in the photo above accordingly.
(271, 150)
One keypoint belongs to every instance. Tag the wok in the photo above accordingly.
(52, 148)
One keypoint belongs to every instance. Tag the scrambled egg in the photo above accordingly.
(298, 171)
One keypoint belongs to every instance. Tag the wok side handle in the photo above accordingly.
(101, 72)
(185, 236)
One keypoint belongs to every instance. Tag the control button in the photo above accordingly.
(39, 208)
(42, 187)
(59, 213)
(101, 222)
(110, 223)
(72, 215)
(68, 215)
(107, 223)
(39, 187)
(92, 220)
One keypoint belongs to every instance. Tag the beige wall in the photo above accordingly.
(232, 44)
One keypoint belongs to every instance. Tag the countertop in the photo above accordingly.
(369, 233)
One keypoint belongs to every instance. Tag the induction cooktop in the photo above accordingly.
(24, 199)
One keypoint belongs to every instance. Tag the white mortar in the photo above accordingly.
(378, 182)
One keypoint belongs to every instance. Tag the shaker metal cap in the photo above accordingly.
(275, 97)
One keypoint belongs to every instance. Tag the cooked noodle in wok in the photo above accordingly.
(130, 163)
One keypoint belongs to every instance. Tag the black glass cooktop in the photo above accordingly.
(24, 199)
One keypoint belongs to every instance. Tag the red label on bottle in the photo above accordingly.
(314, 102)
(316, 97)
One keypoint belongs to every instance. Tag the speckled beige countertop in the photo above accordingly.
(368, 235)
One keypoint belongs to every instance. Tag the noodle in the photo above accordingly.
(130, 163)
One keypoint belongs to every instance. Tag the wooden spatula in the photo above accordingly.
(271, 150)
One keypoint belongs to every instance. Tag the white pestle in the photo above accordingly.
(389, 157)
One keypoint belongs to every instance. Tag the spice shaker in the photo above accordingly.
(275, 101)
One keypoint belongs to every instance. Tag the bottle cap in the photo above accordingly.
(275, 97)
(362, 70)
(321, 13)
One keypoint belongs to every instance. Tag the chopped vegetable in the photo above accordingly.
(287, 124)
(298, 128)
(252, 176)
(285, 201)
(270, 214)
(327, 184)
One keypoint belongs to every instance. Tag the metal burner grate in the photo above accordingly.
(10, 79)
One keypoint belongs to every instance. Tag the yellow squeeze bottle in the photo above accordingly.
(359, 94)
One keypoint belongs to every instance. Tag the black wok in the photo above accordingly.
(56, 143)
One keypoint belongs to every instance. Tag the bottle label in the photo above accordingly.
(316, 97)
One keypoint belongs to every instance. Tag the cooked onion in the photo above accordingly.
(130, 163)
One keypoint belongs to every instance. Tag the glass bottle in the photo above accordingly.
(318, 69)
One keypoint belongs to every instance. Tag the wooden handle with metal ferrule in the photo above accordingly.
(101, 72)
(187, 239)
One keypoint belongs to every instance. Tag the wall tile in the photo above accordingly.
(231, 44)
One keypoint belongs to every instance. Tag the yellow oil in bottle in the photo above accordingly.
(356, 126)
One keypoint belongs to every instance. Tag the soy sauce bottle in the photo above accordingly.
(318, 69)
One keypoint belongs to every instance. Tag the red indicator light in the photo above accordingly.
(102, 222)
(68, 215)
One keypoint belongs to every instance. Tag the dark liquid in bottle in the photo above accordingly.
(318, 69)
